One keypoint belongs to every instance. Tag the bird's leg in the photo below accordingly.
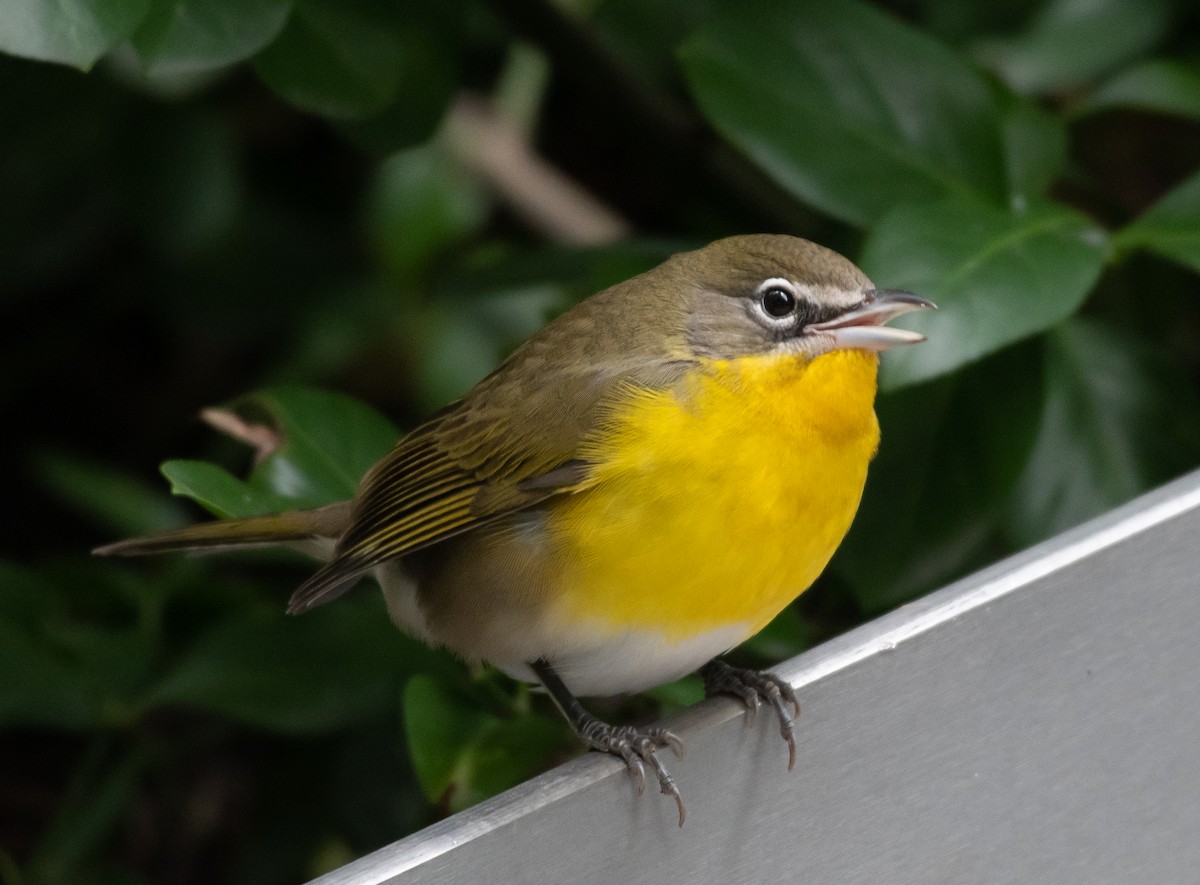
(754, 687)
(635, 745)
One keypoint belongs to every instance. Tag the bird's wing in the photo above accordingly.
(508, 445)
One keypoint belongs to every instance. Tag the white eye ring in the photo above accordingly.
(776, 302)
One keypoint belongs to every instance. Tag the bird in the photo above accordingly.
(638, 488)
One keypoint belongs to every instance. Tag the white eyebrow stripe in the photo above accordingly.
(780, 282)
(834, 296)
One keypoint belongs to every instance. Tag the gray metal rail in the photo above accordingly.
(1037, 722)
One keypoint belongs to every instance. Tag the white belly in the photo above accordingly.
(632, 661)
(590, 659)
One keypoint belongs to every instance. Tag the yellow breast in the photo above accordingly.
(717, 503)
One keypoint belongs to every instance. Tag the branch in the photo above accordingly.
(661, 120)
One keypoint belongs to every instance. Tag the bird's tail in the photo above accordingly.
(321, 524)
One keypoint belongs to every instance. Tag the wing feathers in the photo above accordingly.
(512, 443)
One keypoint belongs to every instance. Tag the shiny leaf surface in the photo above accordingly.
(855, 112)
(1171, 227)
(997, 277)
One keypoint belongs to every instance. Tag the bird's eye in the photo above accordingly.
(777, 302)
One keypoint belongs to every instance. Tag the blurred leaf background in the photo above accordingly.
(256, 203)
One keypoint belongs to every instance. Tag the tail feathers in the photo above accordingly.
(330, 581)
(279, 528)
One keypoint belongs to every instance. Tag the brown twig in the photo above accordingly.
(590, 67)
(540, 193)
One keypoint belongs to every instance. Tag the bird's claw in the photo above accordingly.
(636, 746)
(754, 687)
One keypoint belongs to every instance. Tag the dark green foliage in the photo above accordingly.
(275, 196)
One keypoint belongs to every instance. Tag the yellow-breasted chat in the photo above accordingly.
(641, 486)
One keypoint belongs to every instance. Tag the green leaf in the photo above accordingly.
(99, 796)
(847, 107)
(126, 505)
(1169, 87)
(333, 667)
(1117, 420)
(48, 692)
(787, 635)
(421, 205)
(1070, 41)
(112, 666)
(1035, 150)
(646, 32)
(459, 347)
(439, 732)
(219, 491)
(997, 277)
(188, 37)
(78, 669)
(352, 59)
(463, 754)
(1171, 227)
(336, 63)
(950, 455)
(29, 596)
(684, 692)
(328, 443)
(72, 32)
(426, 82)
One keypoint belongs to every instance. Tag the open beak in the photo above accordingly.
(863, 328)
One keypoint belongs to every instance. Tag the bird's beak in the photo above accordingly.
(863, 328)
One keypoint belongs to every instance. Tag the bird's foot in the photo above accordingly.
(636, 746)
(753, 688)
